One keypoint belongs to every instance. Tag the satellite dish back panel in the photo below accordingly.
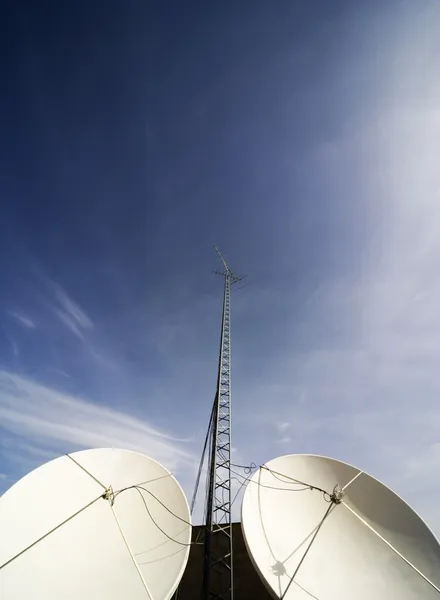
(97, 524)
(353, 538)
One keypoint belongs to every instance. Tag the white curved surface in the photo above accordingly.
(371, 545)
(107, 551)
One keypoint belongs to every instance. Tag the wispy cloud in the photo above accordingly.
(43, 420)
(73, 309)
(70, 313)
(23, 319)
(283, 426)
(70, 323)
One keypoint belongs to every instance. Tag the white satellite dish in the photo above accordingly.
(97, 524)
(358, 540)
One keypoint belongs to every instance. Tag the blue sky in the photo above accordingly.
(300, 137)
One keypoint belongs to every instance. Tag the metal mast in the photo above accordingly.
(218, 567)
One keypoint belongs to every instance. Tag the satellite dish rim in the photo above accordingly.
(256, 561)
(116, 470)
(98, 448)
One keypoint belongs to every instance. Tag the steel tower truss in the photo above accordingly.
(218, 567)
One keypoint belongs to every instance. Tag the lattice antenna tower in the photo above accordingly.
(218, 577)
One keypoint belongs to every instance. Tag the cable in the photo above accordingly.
(275, 473)
(156, 524)
(159, 545)
(202, 460)
(248, 469)
(305, 485)
(271, 487)
(149, 562)
(238, 491)
(139, 487)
